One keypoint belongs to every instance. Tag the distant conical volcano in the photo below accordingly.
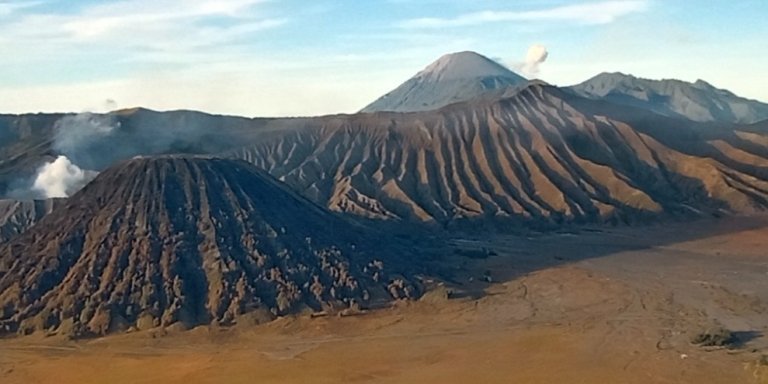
(159, 241)
(453, 78)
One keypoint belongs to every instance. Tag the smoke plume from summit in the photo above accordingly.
(61, 178)
(74, 140)
(537, 55)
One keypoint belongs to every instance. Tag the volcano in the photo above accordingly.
(452, 78)
(186, 240)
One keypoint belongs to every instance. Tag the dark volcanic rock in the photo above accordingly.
(161, 241)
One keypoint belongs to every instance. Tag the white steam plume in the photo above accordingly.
(537, 55)
(61, 178)
(76, 138)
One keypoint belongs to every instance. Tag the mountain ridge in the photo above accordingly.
(530, 154)
(538, 155)
(699, 101)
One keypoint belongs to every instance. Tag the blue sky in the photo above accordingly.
(291, 57)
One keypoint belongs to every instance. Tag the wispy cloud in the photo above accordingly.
(11, 7)
(146, 25)
(603, 12)
(126, 16)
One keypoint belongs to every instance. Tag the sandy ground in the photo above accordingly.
(598, 306)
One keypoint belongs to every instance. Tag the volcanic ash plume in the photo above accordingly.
(61, 178)
(537, 54)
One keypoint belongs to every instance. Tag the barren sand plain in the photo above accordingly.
(615, 305)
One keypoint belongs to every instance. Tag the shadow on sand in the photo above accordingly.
(470, 261)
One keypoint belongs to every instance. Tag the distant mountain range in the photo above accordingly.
(512, 150)
(464, 76)
(699, 101)
(540, 154)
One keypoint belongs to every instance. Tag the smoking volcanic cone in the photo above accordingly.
(160, 241)
(451, 79)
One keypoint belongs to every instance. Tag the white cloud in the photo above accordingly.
(8, 8)
(603, 12)
(128, 16)
(135, 25)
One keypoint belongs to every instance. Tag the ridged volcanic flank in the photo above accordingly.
(159, 241)
(537, 154)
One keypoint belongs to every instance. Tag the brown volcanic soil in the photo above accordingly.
(617, 306)
(187, 241)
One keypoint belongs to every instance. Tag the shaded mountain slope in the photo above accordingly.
(540, 154)
(29, 141)
(25, 141)
(16, 216)
(146, 132)
(186, 241)
(452, 78)
(699, 101)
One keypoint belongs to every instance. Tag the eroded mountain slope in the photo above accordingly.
(541, 154)
(163, 241)
(529, 153)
